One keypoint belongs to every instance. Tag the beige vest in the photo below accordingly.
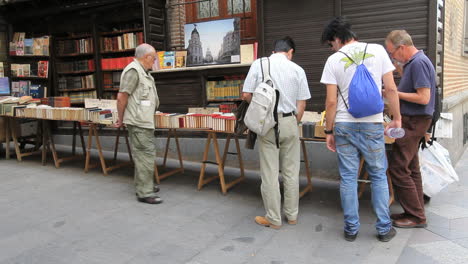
(144, 101)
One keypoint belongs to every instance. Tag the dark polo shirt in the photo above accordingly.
(418, 72)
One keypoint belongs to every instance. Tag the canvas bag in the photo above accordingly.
(363, 95)
(261, 116)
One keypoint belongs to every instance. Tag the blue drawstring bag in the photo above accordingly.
(363, 95)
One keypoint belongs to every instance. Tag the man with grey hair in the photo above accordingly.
(137, 101)
(417, 96)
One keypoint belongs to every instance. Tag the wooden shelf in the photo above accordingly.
(30, 56)
(119, 32)
(225, 100)
(76, 90)
(75, 72)
(77, 36)
(111, 70)
(75, 55)
(29, 78)
(118, 51)
(111, 90)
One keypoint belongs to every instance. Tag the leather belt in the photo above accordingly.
(288, 114)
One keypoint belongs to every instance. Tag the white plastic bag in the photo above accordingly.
(436, 169)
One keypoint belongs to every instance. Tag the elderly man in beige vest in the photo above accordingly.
(137, 101)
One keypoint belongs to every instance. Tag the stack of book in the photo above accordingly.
(216, 121)
(76, 82)
(75, 46)
(115, 63)
(79, 97)
(39, 69)
(123, 42)
(224, 90)
(72, 66)
(22, 46)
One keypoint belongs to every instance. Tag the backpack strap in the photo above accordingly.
(363, 57)
(267, 78)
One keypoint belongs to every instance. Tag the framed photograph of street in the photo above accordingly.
(213, 42)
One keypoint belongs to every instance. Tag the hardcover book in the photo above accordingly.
(43, 69)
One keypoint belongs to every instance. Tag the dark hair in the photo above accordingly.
(284, 45)
(340, 28)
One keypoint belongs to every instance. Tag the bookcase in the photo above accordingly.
(116, 50)
(28, 59)
(75, 67)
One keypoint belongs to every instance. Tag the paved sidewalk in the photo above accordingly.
(63, 215)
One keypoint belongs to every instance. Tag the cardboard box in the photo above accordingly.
(319, 131)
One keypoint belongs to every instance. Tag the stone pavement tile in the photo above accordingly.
(448, 211)
(20, 242)
(443, 251)
(462, 242)
(391, 250)
(411, 255)
(423, 235)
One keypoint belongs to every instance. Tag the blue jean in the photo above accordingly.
(366, 140)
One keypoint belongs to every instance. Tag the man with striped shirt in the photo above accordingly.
(291, 81)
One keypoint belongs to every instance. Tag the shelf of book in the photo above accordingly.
(112, 70)
(73, 36)
(119, 32)
(29, 78)
(35, 57)
(75, 55)
(77, 90)
(111, 89)
(225, 100)
(117, 51)
(75, 72)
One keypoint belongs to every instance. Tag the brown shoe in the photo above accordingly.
(264, 222)
(292, 222)
(408, 223)
(397, 216)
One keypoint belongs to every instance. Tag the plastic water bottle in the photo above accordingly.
(395, 132)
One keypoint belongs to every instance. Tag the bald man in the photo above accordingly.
(137, 101)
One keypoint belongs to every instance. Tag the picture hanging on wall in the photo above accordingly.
(213, 42)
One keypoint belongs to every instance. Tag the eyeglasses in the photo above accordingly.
(395, 50)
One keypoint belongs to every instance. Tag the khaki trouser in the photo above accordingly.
(144, 154)
(286, 158)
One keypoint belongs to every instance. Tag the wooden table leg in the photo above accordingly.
(88, 149)
(179, 154)
(308, 188)
(51, 142)
(201, 180)
(99, 148)
(220, 163)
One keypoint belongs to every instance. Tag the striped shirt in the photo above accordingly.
(288, 77)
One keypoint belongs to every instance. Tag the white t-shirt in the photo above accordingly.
(288, 77)
(340, 70)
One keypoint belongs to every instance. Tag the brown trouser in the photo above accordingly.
(404, 166)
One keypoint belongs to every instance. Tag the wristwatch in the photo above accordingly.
(328, 132)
